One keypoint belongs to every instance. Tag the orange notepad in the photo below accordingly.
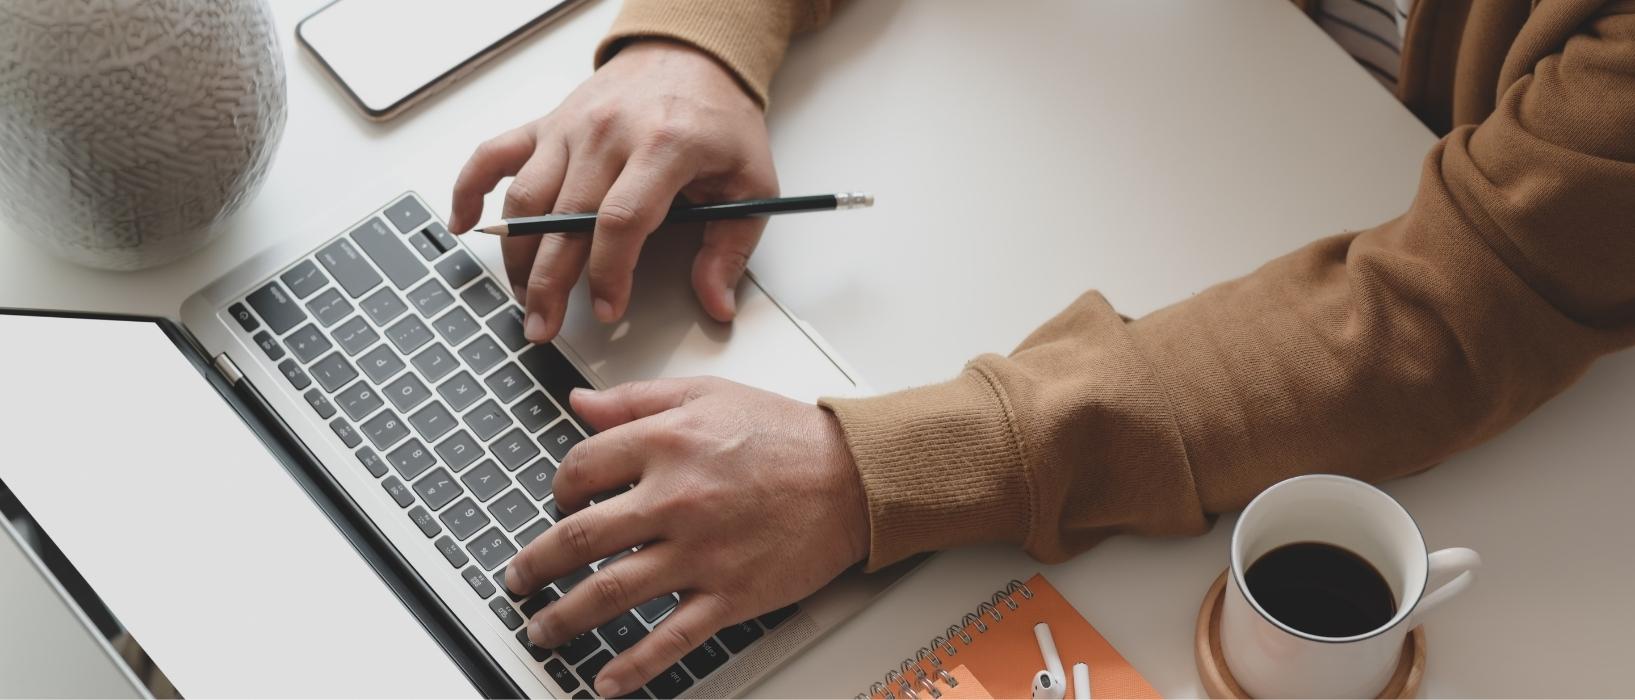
(992, 653)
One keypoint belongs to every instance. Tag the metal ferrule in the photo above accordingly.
(853, 200)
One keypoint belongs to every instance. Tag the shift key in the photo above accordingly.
(388, 251)
(348, 268)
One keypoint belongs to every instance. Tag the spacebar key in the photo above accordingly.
(389, 252)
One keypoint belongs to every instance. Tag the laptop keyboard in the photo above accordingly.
(414, 355)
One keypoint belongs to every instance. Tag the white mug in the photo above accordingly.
(1270, 659)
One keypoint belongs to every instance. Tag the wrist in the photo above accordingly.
(661, 53)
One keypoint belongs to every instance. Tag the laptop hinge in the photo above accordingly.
(228, 369)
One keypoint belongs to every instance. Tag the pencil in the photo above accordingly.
(585, 223)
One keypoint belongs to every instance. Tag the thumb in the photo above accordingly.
(609, 408)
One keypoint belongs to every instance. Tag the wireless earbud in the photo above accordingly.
(1046, 688)
(1049, 684)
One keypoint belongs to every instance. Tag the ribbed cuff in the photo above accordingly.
(749, 36)
(941, 467)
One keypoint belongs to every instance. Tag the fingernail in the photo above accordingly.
(608, 687)
(732, 301)
(604, 310)
(539, 634)
(535, 328)
(581, 391)
(512, 582)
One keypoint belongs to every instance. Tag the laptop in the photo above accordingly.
(311, 485)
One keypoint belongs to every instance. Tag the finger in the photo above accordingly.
(633, 208)
(692, 622)
(493, 160)
(721, 262)
(579, 539)
(532, 192)
(561, 257)
(621, 585)
(632, 400)
(601, 463)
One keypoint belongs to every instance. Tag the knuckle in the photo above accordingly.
(610, 588)
(678, 640)
(576, 536)
(520, 198)
(618, 217)
(600, 121)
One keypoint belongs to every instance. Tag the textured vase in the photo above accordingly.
(130, 128)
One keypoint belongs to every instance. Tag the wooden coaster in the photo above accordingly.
(1220, 684)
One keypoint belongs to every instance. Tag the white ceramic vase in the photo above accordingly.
(130, 128)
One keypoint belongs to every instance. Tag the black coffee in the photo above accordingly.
(1321, 589)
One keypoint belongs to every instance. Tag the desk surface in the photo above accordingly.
(1022, 154)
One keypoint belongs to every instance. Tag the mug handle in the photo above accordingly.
(1454, 565)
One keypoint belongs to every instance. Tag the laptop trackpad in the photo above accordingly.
(194, 536)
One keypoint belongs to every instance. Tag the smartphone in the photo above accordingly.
(388, 55)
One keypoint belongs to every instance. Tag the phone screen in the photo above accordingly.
(385, 52)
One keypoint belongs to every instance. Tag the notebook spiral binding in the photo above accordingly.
(910, 674)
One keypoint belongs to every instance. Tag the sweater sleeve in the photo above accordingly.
(748, 36)
(1374, 354)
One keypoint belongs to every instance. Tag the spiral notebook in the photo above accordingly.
(992, 652)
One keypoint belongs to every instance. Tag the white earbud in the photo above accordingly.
(1049, 684)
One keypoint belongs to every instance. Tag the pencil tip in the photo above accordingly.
(495, 230)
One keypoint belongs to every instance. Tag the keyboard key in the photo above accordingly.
(479, 583)
(705, 659)
(387, 250)
(319, 403)
(380, 364)
(383, 306)
(399, 493)
(444, 240)
(655, 609)
(574, 578)
(430, 297)
(671, 683)
(623, 632)
(485, 480)
(554, 372)
(424, 520)
(422, 244)
(411, 459)
(243, 317)
(358, 400)
(355, 335)
(347, 266)
(385, 429)
(499, 580)
(304, 279)
(269, 347)
(333, 372)
(432, 422)
(532, 532)
(458, 269)
(508, 615)
(588, 669)
(308, 343)
(483, 353)
(344, 431)
(435, 362)
(508, 382)
(561, 438)
(554, 511)
(513, 510)
(579, 647)
(406, 392)
(407, 214)
(776, 617)
(536, 652)
(329, 307)
(484, 296)
(408, 335)
(371, 460)
(507, 326)
(461, 391)
(487, 420)
(293, 374)
(738, 637)
(538, 478)
(460, 450)
(464, 518)
(535, 412)
(437, 489)
(514, 449)
(276, 308)
(491, 548)
(539, 600)
(558, 672)
(452, 551)
(455, 326)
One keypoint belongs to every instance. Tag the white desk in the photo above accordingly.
(1021, 154)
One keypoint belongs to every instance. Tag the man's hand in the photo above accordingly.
(744, 501)
(658, 120)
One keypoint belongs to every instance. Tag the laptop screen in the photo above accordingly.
(168, 522)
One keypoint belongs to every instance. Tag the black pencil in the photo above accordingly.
(584, 223)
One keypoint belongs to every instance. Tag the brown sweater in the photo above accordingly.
(1373, 354)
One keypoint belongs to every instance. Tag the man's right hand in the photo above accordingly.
(658, 120)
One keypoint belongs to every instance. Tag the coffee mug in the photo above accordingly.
(1347, 534)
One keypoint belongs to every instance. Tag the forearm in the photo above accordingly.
(748, 36)
(1374, 354)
